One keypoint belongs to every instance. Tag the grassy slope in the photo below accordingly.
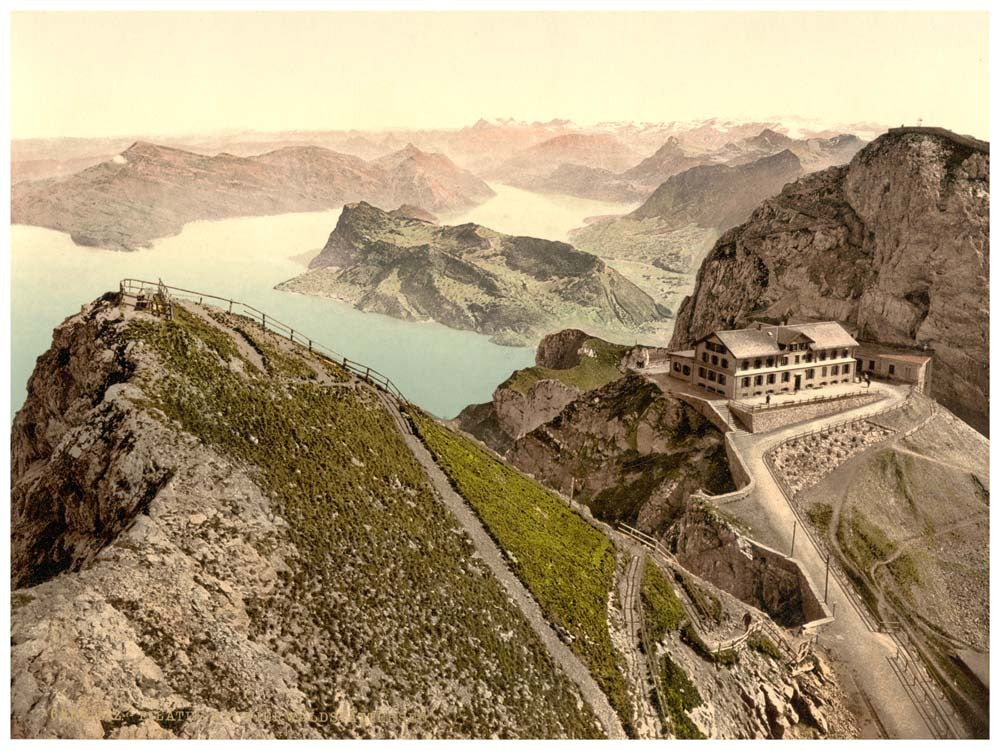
(567, 564)
(386, 604)
(943, 482)
(592, 372)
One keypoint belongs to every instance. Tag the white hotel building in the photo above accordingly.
(768, 359)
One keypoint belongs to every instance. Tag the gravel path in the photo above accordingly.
(494, 559)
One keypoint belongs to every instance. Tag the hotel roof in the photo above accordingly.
(764, 341)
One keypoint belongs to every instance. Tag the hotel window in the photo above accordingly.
(725, 363)
(687, 370)
(711, 375)
(810, 374)
(756, 364)
(871, 364)
(677, 367)
(809, 357)
(746, 382)
(704, 356)
(822, 356)
(784, 360)
(770, 361)
(770, 379)
(823, 373)
(892, 369)
(701, 372)
(759, 380)
(722, 379)
(835, 370)
(715, 359)
(745, 364)
(845, 354)
(785, 377)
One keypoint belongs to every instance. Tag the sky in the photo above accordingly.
(115, 73)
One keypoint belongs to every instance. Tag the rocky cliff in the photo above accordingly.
(567, 364)
(628, 451)
(151, 191)
(514, 289)
(578, 423)
(217, 535)
(895, 245)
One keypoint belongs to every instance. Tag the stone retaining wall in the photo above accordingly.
(765, 420)
(704, 408)
(756, 574)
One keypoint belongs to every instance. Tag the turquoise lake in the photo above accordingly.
(440, 368)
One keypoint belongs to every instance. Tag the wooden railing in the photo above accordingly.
(133, 287)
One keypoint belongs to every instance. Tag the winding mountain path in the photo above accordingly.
(493, 556)
(860, 652)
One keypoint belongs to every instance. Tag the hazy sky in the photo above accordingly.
(91, 74)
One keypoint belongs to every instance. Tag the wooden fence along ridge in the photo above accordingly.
(134, 287)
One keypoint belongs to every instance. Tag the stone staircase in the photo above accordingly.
(722, 409)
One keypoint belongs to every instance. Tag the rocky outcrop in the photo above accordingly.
(151, 191)
(513, 289)
(895, 245)
(520, 412)
(561, 350)
(628, 451)
(567, 363)
(710, 548)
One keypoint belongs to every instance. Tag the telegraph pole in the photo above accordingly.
(795, 525)
(826, 586)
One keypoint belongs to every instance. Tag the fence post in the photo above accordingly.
(230, 306)
(263, 321)
(310, 345)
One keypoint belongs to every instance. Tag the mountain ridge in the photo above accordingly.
(150, 191)
(470, 277)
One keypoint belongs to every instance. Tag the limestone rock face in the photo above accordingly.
(560, 350)
(161, 543)
(895, 245)
(519, 413)
(628, 451)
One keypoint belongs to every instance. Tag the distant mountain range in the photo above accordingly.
(479, 147)
(594, 150)
(674, 228)
(151, 191)
(671, 158)
(514, 289)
